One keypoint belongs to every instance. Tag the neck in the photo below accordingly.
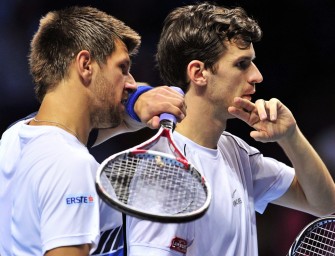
(68, 109)
(203, 132)
(203, 124)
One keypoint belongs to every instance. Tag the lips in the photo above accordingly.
(125, 97)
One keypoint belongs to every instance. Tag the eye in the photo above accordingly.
(124, 69)
(244, 64)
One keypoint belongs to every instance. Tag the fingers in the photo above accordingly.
(265, 110)
(239, 113)
(168, 100)
(160, 100)
(273, 107)
(242, 109)
(270, 119)
(154, 123)
(261, 109)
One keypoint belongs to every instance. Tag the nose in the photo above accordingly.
(131, 79)
(255, 75)
(130, 82)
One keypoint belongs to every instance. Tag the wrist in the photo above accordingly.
(132, 100)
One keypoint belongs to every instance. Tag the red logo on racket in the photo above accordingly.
(179, 245)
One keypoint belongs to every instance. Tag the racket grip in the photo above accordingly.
(167, 116)
(133, 98)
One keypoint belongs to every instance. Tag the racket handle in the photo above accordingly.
(169, 117)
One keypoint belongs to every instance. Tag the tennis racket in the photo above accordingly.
(317, 238)
(154, 180)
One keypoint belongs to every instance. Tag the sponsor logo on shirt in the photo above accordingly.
(79, 199)
(236, 201)
(178, 244)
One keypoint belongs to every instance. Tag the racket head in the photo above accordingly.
(317, 238)
(153, 185)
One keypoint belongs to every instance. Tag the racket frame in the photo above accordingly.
(164, 131)
(307, 230)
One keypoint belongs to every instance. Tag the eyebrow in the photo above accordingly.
(129, 63)
(246, 57)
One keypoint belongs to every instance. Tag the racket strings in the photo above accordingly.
(155, 183)
(320, 241)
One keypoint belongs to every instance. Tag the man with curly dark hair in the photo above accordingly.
(208, 51)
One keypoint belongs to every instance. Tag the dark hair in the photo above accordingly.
(198, 32)
(63, 34)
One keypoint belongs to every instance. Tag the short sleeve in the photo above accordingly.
(68, 202)
(271, 180)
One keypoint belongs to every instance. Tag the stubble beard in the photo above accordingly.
(107, 118)
(106, 115)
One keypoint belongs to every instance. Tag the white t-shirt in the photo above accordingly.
(48, 197)
(242, 181)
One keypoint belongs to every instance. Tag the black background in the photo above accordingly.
(296, 58)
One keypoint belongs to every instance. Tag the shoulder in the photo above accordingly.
(23, 119)
(68, 150)
(54, 150)
(229, 140)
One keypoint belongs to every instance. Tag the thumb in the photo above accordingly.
(154, 123)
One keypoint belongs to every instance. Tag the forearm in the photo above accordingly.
(129, 125)
(75, 250)
(131, 121)
(314, 184)
(143, 109)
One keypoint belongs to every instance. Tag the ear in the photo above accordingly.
(196, 72)
(84, 66)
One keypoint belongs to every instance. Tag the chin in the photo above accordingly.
(116, 121)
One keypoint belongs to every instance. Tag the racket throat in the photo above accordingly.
(168, 124)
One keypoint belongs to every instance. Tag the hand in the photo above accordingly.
(159, 100)
(271, 119)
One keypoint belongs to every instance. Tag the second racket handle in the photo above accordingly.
(168, 116)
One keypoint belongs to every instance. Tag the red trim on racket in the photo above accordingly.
(154, 180)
